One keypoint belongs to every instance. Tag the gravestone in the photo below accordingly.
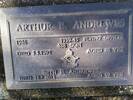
(67, 46)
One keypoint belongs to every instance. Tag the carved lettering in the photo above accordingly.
(95, 50)
(26, 78)
(23, 53)
(105, 50)
(101, 23)
(25, 27)
(42, 52)
(106, 37)
(22, 42)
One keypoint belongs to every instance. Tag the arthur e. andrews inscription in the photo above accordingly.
(67, 46)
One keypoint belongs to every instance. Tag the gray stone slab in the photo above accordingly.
(67, 46)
